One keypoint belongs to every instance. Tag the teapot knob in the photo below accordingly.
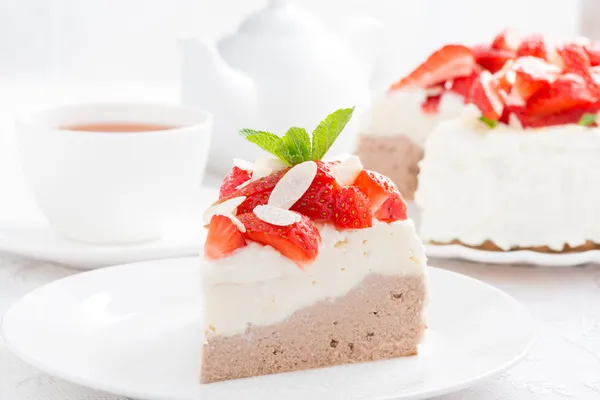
(278, 3)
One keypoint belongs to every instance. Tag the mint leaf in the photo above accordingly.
(489, 122)
(328, 131)
(266, 141)
(296, 145)
(587, 119)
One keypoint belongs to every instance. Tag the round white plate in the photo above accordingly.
(24, 231)
(456, 251)
(134, 331)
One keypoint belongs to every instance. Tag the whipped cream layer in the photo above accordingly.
(514, 187)
(258, 286)
(399, 112)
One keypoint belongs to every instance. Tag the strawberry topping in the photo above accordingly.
(393, 209)
(485, 94)
(533, 46)
(352, 209)
(257, 192)
(318, 203)
(449, 62)
(431, 104)
(234, 178)
(508, 39)
(223, 238)
(299, 242)
(492, 59)
(375, 186)
(567, 92)
(533, 74)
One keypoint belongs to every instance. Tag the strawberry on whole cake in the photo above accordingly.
(308, 263)
(520, 168)
(438, 89)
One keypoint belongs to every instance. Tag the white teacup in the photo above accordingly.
(111, 187)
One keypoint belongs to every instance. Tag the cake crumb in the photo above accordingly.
(342, 269)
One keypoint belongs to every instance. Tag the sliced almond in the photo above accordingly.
(276, 216)
(293, 185)
(434, 91)
(228, 208)
(243, 164)
(346, 172)
(265, 166)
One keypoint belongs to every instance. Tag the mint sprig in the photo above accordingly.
(587, 119)
(489, 122)
(295, 146)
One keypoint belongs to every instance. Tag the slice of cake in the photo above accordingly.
(308, 263)
(437, 90)
(519, 169)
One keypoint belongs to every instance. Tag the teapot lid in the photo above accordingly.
(280, 17)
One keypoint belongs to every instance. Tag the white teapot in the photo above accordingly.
(282, 68)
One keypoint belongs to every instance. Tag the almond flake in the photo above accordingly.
(243, 164)
(293, 185)
(228, 209)
(346, 172)
(265, 166)
(276, 216)
(434, 91)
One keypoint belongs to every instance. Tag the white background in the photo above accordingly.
(95, 40)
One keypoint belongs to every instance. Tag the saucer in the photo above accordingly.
(24, 231)
(147, 346)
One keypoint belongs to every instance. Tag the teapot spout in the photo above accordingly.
(209, 82)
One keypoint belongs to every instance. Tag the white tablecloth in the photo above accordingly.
(565, 303)
(564, 364)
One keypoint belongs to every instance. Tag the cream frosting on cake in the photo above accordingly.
(258, 286)
(514, 187)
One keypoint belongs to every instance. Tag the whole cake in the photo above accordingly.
(308, 263)
(437, 90)
(520, 168)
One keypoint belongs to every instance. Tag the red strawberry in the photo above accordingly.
(485, 94)
(234, 178)
(574, 58)
(462, 86)
(567, 92)
(375, 186)
(508, 39)
(299, 242)
(571, 116)
(317, 203)
(431, 104)
(593, 52)
(449, 62)
(533, 74)
(394, 209)
(533, 46)
(257, 193)
(223, 238)
(352, 209)
(492, 59)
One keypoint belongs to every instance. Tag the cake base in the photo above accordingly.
(379, 319)
(394, 156)
(491, 246)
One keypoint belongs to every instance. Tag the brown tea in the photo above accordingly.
(117, 127)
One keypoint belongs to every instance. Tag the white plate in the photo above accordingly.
(456, 251)
(24, 231)
(134, 331)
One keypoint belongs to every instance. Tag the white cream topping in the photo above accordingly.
(515, 187)
(258, 286)
(399, 112)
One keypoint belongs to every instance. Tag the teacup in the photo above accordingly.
(118, 185)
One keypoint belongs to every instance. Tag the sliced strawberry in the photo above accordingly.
(533, 74)
(393, 209)
(505, 78)
(431, 104)
(318, 202)
(299, 242)
(375, 186)
(574, 58)
(533, 46)
(566, 117)
(492, 59)
(567, 92)
(462, 86)
(257, 193)
(449, 62)
(223, 238)
(485, 94)
(508, 39)
(352, 209)
(234, 178)
(593, 52)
